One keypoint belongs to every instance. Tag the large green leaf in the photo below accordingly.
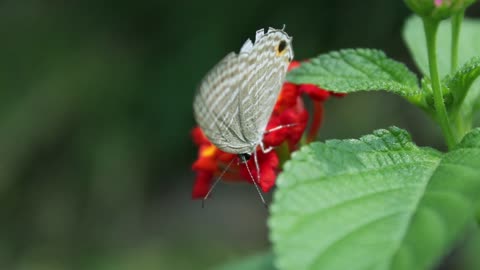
(379, 202)
(356, 70)
(469, 43)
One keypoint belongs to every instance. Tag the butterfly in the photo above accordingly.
(236, 97)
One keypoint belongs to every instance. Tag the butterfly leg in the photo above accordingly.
(264, 150)
(279, 127)
(272, 130)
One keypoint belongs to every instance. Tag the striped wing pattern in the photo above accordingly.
(236, 98)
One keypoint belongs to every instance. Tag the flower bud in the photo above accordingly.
(438, 9)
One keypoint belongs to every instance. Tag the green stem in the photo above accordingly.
(283, 153)
(457, 20)
(431, 27)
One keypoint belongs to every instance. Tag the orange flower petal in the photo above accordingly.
(208, 151)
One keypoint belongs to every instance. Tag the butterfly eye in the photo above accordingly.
(281, 47)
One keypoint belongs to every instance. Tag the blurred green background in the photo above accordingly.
(95, 119)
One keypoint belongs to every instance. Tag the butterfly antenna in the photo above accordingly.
(216, 182)
(253, 179)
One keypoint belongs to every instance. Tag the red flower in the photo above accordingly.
(314, 92)
(290, 114)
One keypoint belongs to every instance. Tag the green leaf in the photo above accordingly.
(351, 70)
(462, 80)
(379, 202)
(256, 262)
(466, 89)
(469, 43)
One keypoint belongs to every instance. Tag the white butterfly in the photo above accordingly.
(236, 98)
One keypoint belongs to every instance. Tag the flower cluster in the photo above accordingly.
(289, 111)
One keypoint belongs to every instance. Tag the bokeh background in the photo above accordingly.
(95, 119)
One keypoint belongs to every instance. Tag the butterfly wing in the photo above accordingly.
(236, 98)
(267, 68)
(215, 105)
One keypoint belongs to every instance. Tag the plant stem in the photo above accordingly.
(283, 153)
(457, 20)
(431, 27)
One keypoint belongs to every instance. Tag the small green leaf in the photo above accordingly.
(462, 80)
(351, 70)
(466, 88)
(469, 43)
(255, 262)
(379, 202)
